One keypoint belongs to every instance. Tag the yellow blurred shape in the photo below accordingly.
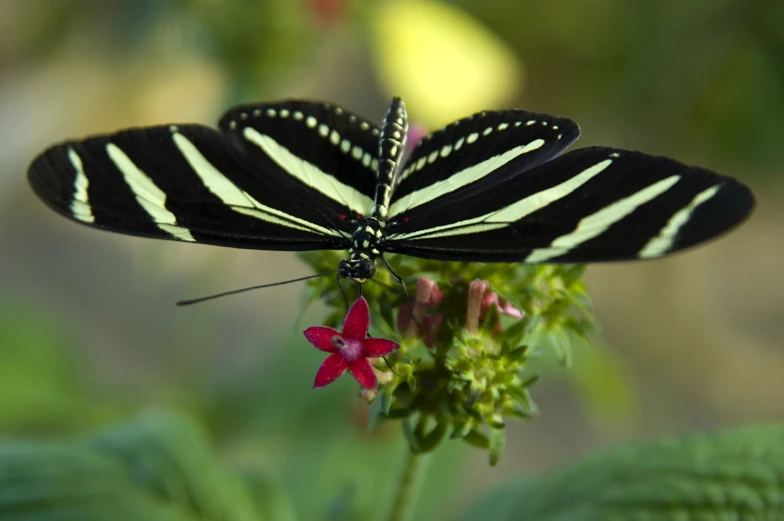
(184, 89)
(442, 61)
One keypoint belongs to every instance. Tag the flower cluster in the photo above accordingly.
(457, 367)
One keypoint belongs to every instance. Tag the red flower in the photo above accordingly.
(350, 349)
(504, 306)
(425, 326)
(480, 298)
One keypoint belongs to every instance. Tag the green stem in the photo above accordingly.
(408, 487)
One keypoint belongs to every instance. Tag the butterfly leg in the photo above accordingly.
(342, 292)
(395, 276)
(402, 283)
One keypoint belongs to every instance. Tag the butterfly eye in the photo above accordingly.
(366, 270)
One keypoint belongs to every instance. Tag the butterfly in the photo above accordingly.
(301, 175)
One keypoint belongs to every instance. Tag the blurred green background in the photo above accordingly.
(88, 330)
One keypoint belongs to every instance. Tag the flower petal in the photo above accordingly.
(330, 370)
(363, 372)
(357, 320)
(508, 309)
(321, 337)
(378, 346)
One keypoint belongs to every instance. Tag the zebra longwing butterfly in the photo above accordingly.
(298, 175)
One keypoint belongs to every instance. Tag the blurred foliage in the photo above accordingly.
(256, 42)
(708, 72)
(700, 80)
(157, 467)
(42, 387)
(701, 77)
(734, 474)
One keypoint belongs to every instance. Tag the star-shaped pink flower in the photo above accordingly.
(350, 349)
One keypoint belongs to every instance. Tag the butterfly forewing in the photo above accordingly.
(457, 163)
(320, 145)
(592, 204)
(188, 183)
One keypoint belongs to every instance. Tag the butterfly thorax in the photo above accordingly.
(366, 238)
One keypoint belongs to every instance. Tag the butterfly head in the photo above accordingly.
(366, 239)
(356, 268)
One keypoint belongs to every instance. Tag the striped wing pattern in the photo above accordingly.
(319, 145)
(193, 183)
(472, 154)
(593, 204)
(296, 175)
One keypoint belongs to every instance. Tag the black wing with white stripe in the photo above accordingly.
(300, 175)
(193, 183)
(474, 153)
(321, 145)
(589, 205)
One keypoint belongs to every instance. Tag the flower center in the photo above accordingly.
(349, 349)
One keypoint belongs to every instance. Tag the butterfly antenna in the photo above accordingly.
(242, 290)
(402, 283)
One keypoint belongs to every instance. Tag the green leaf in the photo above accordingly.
(497, 442)
(515, 333)
(477, 439)
(430, 440)
(157, 468)
(378, 410)
(271, 501)
(517, 354)
(170, 457)
(728, 475)
(51, 482)
(461, 429)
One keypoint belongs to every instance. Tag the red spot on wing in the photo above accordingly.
(342, 217)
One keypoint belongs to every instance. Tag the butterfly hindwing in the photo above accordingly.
(592, 204)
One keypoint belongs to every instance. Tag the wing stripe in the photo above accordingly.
(239, 200)
(460, 179)
(599, 222)
(212, 178)
(80, 206)
(662, 243)
(149, 196)
(310, 174)
(513, 212)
